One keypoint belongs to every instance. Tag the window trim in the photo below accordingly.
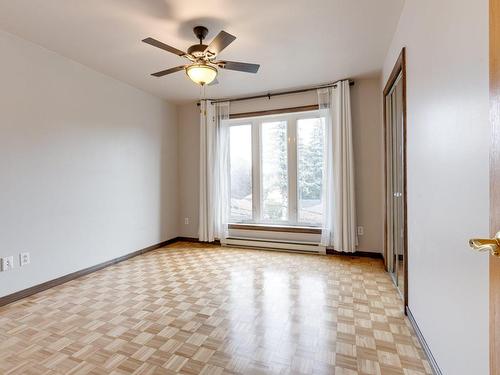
(275, 228)
(303, 108)
(256, 122)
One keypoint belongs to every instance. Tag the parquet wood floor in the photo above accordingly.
(201, 309)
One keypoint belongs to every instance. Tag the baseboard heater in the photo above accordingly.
(279, 245)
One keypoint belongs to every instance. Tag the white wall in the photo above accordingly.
(448, 142)
(367, 139)
(88, 165)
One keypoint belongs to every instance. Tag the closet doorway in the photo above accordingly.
(396, 254)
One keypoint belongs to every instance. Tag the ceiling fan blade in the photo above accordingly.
(163, 46)
(221, 41)
(214, 82)
(168, 71)
(239, 66)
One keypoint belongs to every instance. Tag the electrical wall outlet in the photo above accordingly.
(7, 263)
(24, 259)
(186, 220)
(361, 231)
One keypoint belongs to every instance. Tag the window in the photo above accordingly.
(310, 140)
(276, 169)
(241, 172)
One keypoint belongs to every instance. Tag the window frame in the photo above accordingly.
(256, 123)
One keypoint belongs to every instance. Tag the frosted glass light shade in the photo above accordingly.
(201, 74)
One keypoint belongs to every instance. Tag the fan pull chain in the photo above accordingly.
(202, 92)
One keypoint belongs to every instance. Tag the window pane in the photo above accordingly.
(274, 171)
(241, 172)
(310, 140)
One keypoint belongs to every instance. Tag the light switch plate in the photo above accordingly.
(7, 263)
(24, 259)
(361, 231)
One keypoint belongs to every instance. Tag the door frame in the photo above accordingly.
(399, 68)
(494, 262)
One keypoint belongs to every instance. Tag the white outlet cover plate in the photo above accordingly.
(24, 259)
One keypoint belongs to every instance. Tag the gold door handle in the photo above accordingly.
(492, 245)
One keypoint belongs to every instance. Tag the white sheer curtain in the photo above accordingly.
(339, 208)
(214, 171)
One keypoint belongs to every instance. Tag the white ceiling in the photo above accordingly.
(297, 42)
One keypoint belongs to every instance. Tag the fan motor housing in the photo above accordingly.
(197, 50)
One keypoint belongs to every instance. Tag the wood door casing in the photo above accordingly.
(495, 184)
(399, 68)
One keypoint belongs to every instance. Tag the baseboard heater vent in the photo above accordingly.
(279, 245)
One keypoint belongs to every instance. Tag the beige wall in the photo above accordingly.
(367, 133)
(88, 166)
(188, 117)
(448, 145)
(366, 102)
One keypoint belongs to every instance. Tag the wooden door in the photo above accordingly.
(495, 184)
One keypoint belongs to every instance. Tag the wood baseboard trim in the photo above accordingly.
(365, 254)
(187, 239)
(432, 361)
(195, 240)
(64, 279)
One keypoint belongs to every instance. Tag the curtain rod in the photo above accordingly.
(269, 95)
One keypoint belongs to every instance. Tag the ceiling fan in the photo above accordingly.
(203, 64)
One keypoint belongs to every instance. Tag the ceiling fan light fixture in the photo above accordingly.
(203, 67)
(202, 74)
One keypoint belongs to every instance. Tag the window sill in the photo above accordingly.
(275, 228)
